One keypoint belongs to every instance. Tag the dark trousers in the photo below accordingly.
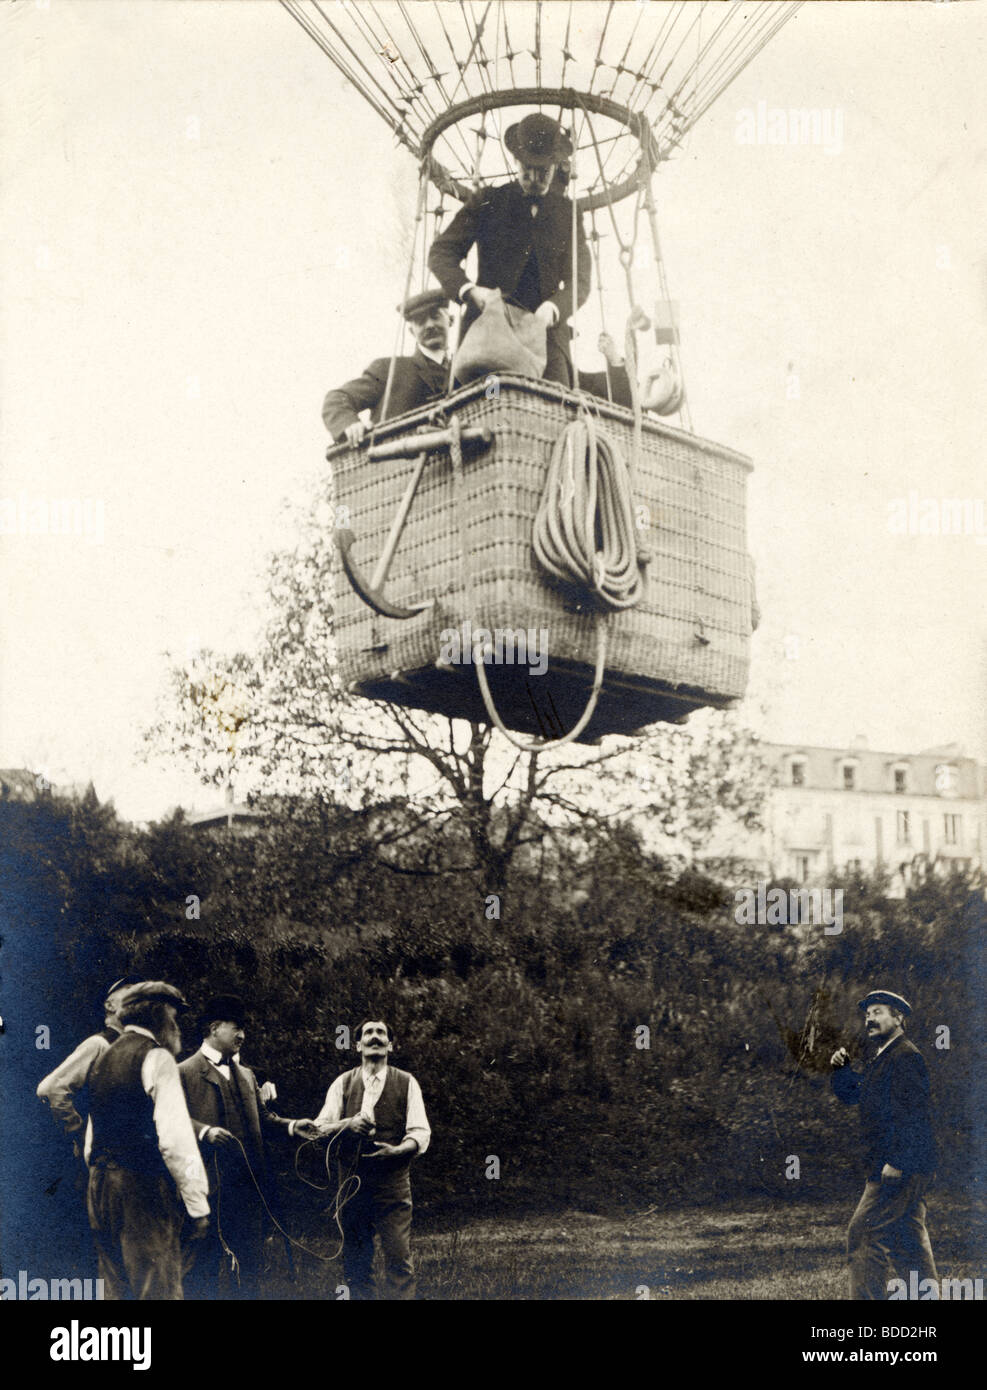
(237, 1218)
(136, 1219)
(382, 1207)
(887, 1232)
(558, 366)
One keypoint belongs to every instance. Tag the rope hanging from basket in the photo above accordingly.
(639, 320)
(537, 745)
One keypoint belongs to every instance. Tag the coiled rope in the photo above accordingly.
(584, 531)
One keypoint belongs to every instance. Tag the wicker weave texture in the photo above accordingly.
(693, 627)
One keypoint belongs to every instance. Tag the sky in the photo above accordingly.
(202, 228)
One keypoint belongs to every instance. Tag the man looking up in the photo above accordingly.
(379, 1114)
(892, 1092)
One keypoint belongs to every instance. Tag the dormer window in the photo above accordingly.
(946, 778)
(900, 779)
(849, 777)
(798, 772)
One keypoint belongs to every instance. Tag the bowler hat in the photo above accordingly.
(538, 140)
(150, 992)
(419, 303)
(884, 996)
(223, 1008)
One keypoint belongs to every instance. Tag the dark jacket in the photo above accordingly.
(895, 1115)
(620, 388)
(209, 1106)
(417, 380)
(499, 222)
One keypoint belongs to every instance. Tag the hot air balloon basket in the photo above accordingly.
(686, 645)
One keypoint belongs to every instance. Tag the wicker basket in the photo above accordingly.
(684, 646)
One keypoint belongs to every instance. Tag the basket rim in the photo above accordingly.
(549, 391)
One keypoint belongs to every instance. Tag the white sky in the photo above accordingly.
(201, 231)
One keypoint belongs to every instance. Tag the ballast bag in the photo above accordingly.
(505, 338)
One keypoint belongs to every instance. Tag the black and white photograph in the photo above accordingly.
(493, 668)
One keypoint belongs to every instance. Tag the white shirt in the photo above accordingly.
(176, 1140)
(60, 1086)
(438, 357)
(223, 1067)
(416, 1121)
(218, 1060)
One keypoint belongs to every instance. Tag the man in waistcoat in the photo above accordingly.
(416, 380)
(376, 1116)
(66, 1092)
(523, 234)
(231, 1122)
(892, 1094)
(144, 1163)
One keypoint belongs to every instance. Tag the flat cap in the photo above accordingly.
(884, 996)
(123, 983)
(151, 992)
(419, 303)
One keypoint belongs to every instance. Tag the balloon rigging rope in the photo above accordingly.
(348, 1188)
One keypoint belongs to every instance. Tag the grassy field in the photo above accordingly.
(758, 1251)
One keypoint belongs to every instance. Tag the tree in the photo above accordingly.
(460, 799)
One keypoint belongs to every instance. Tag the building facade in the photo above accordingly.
(849, 809)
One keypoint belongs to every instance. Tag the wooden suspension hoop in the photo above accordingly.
(568, 99)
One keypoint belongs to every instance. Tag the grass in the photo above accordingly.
(752, 1251)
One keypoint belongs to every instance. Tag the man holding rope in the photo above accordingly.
(378, 1114)
(230, 1121)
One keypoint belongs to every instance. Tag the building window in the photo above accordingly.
(798, 774)
(946, 778)
(854, 866)
(904, 831)
(849, 777)
(900, 780)
(801, 867)
(953, 829)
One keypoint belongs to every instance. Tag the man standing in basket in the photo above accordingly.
(523, 234)
(892, 1091)
(379, 1115)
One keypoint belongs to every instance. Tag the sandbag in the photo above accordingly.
(504, 338)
